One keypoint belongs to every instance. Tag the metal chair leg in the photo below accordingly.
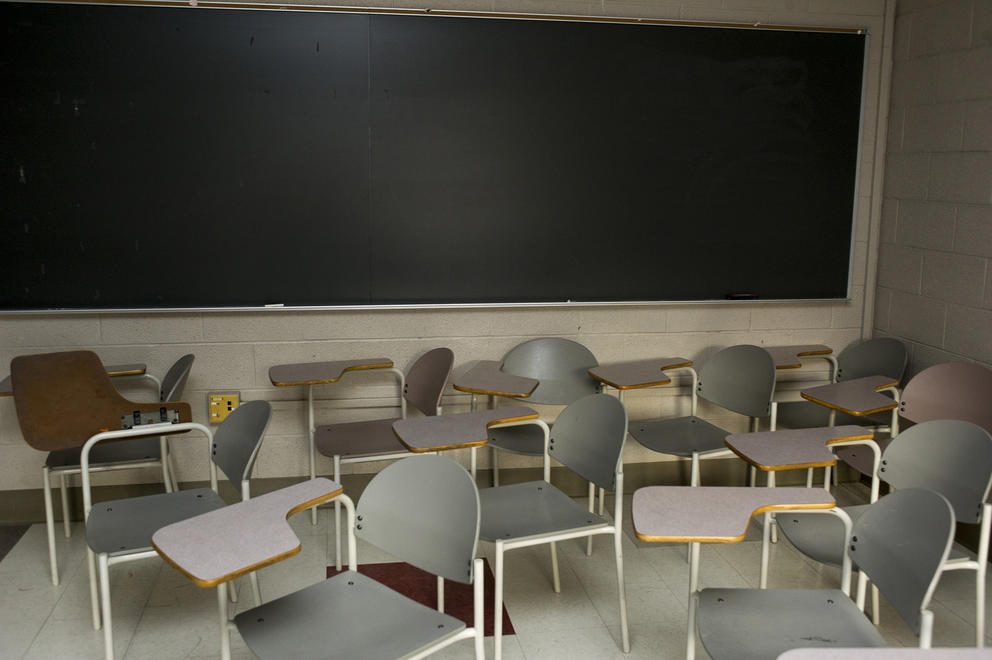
(65, 505)
(50, 525)
(621, 588)
(498, 603)
(108, 632)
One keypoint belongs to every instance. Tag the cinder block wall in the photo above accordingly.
(235, 350)
(935, 279)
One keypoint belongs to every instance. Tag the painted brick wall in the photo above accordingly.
(934, 276)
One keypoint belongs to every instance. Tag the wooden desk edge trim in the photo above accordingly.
(509, 395)
(436, 448)
(819, 351)
(799, 466)
(6, 389)
(678, 365)
(853, 413)
(801, 354)
(465, 445)
(127, 372)
(325, 381)
(663, 368)
(507, 420)
(254, 567)
(869, 435)
(632, 387)
(733, 539)
(779, 468)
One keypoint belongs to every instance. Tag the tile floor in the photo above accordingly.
(161, 615)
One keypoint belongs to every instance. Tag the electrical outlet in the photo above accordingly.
(222, 404)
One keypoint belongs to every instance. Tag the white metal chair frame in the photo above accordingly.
(474, 632)
(615, 529)
(164, 461)
(979, 564)
(753, 423)
(227, 625)
(338, 460)
(690, 649)
(926, 615)
(312, 428)
(771, 523)
(101, 608)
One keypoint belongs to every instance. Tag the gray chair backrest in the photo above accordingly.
(881, 356)
(426, 379)
(739, 378)
(238, 438)
(948, 456)
(561, 365)
(423, 510)
(953, 390)
(175, 379)
(900, 542)
(588, 438)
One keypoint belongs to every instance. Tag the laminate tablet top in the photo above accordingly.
(858, 397)
(135, 369)
(793, 449)
(713, 514)
(638, 373)
(486, 377)
(317, 373)
(457, 431)
(788, 357)
(224, 544)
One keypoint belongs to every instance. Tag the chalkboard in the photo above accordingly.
(179, 157)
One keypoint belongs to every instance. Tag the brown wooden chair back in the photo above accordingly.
(62, 399)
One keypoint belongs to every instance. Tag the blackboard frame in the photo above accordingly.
(738, 296)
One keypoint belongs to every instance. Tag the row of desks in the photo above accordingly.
(660, 513)
(857, 397)
(680, 514)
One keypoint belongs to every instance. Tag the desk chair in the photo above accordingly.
(423, 510)
(137, 453)
(951, 390)
(900, 543)
(360, 442)
(588, 439)
(64, 398)
(562, 368)
(881, 356)
(740, 379)
(951, 457)
(121, 530)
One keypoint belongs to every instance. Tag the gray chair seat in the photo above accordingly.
(347, 616)
(747, 624)
(358, 439)
(821, 537)
(530, 509)
(126, 451)
(860, 458)
(809, 415)
(681, 436)
(817, 536)
(126, 526)
(527, 440)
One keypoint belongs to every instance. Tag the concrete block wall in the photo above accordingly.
(234, 350)
(935, 277)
